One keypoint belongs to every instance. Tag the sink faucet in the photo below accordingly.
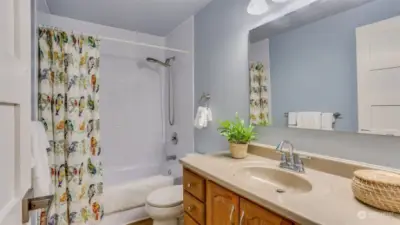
(293, 162)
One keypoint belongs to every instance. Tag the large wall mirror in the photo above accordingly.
(334, 65)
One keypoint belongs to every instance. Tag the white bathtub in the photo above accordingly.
(124, 203)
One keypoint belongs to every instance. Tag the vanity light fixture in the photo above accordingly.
(257, 7)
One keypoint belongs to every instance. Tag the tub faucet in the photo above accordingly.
(291, 162)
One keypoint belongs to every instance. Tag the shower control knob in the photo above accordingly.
(174, 138)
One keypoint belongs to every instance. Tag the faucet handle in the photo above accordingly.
(283, 157)
(298, 163)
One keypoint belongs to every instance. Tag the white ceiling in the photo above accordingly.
(318, 10)
(157, 17)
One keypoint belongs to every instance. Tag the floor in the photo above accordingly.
(143, 222)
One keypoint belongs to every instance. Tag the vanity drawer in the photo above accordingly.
(187, 220)
(194, 184)
(194, 208)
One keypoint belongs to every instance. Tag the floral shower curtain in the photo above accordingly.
(69, 111)
(259, 102)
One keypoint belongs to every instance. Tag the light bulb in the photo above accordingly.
(257, 7)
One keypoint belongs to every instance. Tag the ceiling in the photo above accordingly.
(318, 10)
(157, 17)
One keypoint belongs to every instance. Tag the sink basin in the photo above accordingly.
(282, 181)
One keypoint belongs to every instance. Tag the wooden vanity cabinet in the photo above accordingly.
(207, 203)
(253, 214)
(222, 205)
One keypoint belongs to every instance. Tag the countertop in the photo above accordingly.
(330, 202)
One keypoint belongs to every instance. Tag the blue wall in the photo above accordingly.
(221, 68)
(314, 68)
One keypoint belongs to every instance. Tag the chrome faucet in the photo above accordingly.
(291, 162)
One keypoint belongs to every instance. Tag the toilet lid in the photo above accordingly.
(166, 197)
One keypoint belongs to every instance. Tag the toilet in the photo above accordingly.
(165, 206)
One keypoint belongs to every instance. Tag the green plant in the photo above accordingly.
(236, 131)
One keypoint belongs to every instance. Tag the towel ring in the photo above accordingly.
(204, 99)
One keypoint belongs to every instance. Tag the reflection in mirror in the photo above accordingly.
(334, 65)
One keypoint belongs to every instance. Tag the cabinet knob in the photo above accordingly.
(189, 185)
(190, 208)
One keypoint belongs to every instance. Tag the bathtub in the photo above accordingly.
(124, 203)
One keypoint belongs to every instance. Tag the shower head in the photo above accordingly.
(167, 62)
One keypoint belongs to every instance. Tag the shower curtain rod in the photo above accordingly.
(126, 41)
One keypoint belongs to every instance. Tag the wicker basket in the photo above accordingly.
(379, 189)
(238, 151)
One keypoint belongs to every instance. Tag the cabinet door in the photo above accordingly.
(252, 214)
(222, 206)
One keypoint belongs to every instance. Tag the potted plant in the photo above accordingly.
(239, 136)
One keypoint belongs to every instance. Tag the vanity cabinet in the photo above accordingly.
(222, 205)
(252, 214)
(207, 203)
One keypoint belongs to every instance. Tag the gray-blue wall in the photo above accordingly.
(221, 55)
(221, 69)
(314, 67)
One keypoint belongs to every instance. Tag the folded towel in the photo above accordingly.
(292, 119)
(327, 121)
(309, 120)
(41, 172)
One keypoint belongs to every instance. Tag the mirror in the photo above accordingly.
(334, 65)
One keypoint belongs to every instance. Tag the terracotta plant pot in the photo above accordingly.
(238, 151)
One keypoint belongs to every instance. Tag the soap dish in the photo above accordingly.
(379, 189)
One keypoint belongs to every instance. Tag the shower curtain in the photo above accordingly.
(259, 110)
(69, 110)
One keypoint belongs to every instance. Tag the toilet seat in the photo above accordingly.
(167, 197)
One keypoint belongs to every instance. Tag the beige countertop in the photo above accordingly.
(330, 202)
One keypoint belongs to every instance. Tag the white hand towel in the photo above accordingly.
(204, 118)
(292, 119)
(327, 121)
(209, 114)
(201, 118)
(309, 120)
(41, 172)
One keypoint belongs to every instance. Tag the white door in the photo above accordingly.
(378, 64)
(15, 106)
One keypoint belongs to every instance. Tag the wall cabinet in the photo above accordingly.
(207, 203)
